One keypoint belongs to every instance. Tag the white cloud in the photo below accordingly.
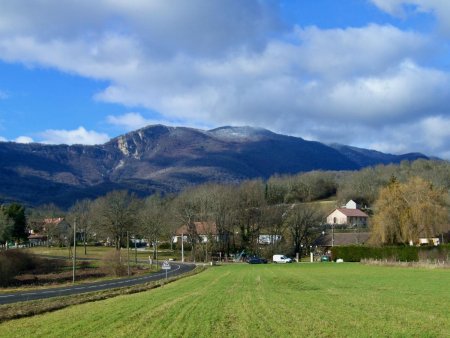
(24, 139)
(129, 121)
(76, 136)
(403, 93)
(2, 139)
(133, 121)
(312, 79)
(356, 51)
(430, 135)
(439, 8)
(393, 7)
(165, 27)
(211, 62)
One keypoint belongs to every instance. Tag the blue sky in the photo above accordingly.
(369, 73)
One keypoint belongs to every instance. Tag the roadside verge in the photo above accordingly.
(34, 307)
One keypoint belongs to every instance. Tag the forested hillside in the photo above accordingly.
(160, 159)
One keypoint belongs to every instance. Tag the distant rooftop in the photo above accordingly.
(343, 238)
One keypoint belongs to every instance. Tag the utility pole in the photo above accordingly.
(74, 256)
(135, 250)
(84, 240)
(332, 235)
(156, 250)
(128, 253)
(182, 248)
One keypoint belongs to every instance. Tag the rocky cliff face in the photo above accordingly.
(166, 159)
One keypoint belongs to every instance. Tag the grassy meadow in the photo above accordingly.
(320, 300)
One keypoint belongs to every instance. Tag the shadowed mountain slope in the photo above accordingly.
(166, 159)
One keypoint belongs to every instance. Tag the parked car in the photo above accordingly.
(281, 259)
(325, 258)
(257, 260)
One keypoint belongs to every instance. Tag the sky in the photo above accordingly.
(367, 73)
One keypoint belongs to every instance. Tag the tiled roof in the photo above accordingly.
(352, 212)
(343, 238)
(53, 220)
(37, 236)
(202, 228)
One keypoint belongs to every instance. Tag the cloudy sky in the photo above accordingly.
(369, 73)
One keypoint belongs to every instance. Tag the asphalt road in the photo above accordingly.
(14, 297)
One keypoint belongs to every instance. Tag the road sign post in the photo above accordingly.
(165, 266)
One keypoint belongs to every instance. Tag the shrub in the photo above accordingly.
(187, 246)
(114, 264)
(357, 253)
(391, 253)
(13, 262)
(164, 246)
(434, 253)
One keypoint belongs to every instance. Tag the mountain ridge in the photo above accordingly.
(166, 159)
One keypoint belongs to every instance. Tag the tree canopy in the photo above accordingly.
(405, 212)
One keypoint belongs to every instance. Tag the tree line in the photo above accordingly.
(278, 211)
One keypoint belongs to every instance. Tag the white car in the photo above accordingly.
(281, 259)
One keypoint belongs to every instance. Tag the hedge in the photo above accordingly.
(13, 262)
(356, 253)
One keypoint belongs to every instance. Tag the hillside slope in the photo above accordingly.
(166, 159)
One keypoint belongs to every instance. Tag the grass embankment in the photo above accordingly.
(332, 300)
(31, 308)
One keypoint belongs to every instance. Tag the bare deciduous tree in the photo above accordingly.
(300, 220)
(116, 214)
(187, 212)
(153, 220)
(81, 213)
(250, 203)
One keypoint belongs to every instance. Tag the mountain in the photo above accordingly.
(166, 159)
(366, 157)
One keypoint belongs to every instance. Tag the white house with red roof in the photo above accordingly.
(205, 231)
(349, 214)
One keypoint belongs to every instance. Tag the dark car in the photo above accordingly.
(257, 260)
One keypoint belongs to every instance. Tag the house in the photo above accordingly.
(205, 231)
(266, 239)
(36, 239)
(50, 231)
(349, 214)
(351, 205)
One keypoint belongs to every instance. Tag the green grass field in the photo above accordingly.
(320, 300)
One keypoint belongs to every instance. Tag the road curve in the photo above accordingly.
(14, 297)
